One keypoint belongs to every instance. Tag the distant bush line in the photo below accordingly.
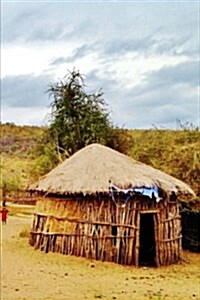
(176, 152)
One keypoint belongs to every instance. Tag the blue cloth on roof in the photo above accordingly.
(151, 192)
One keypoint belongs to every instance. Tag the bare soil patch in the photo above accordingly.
(28, 274)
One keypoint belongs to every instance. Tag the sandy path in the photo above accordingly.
(28, 274)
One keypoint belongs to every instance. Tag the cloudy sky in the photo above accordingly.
(143, 54)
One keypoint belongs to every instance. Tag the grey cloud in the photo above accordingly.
(25, 90)
(164, 98)
(18, 21)
(115, 28)
(58, 61)
(150, 44)
(78, 53)
(155, 109)
(187, 72)
(165, 106)
(167, 79)
(36, 22)
(51, 21)
(105, 81)
(122, 45)
(172, 45)
(160, 107)
(66, 21)
(156, 102)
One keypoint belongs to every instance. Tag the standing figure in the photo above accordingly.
(4, 213)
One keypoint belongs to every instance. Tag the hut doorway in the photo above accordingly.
(147, 252)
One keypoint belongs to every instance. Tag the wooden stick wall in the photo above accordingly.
(104, 230)
(167, 227)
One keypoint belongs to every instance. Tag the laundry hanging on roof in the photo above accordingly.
(152, 192)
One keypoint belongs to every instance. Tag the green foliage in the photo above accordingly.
(174, 152)
(14, 174)
(10, 183)
(46, 159)
(120, 140)
(77, 117)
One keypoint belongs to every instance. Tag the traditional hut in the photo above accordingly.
(104, 205)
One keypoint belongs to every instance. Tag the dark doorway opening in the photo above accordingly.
(147, 252)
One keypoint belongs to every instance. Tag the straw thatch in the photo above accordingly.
(89, 171)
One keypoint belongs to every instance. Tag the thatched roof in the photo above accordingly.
(90, 169)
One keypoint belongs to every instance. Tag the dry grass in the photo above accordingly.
(19, 210)
(25, 232)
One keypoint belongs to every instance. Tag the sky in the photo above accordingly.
(144, 55)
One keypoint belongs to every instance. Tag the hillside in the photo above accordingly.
(19, 140)
(17, 145)
(174, 152)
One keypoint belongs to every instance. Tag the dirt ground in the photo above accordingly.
(31, 274)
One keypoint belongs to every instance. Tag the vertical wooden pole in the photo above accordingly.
(156, 235)
(137, 244)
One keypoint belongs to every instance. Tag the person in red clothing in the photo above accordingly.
(4, 213)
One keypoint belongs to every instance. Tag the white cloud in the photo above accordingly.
(31, 58)
(21, 115)
(131, 70)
